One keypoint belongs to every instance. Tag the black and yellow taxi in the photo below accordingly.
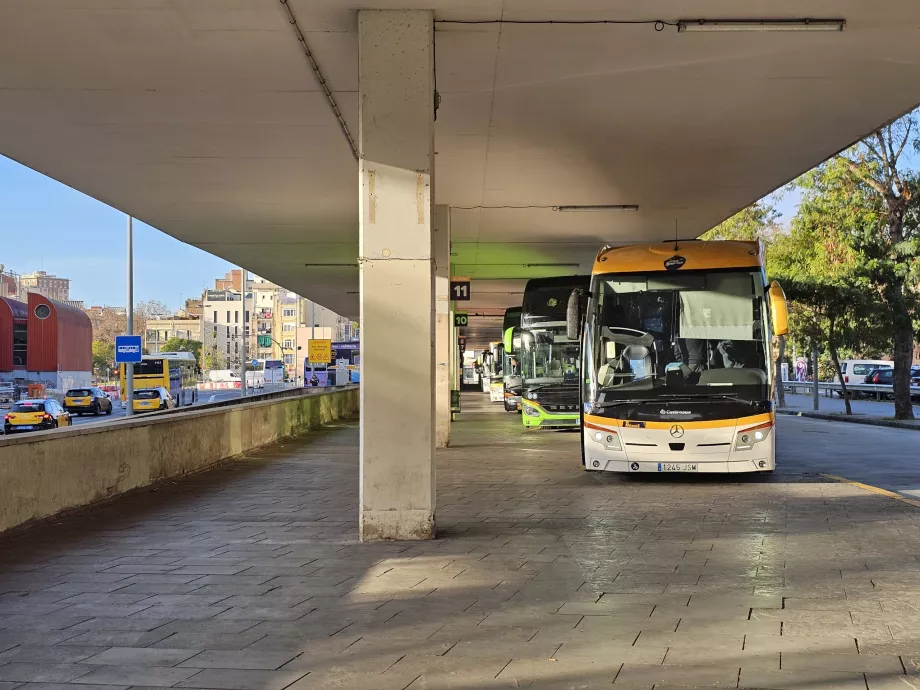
(152, 399)
(90, 400)
(35, 415)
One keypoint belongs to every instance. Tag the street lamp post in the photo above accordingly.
(243, 354)
(129, 367)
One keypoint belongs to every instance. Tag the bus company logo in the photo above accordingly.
(674, 262)
(676, 431)
(552, 302)
(672, 412)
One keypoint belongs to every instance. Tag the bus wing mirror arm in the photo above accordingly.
(573, 314)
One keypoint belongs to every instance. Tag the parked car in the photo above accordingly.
(35, 415)
(7, 395)
(885, 377)
(153, 399)
(854, 371)
(87, 401)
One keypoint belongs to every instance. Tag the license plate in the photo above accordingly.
(677, 467)
(24, 427)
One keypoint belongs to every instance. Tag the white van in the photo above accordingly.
(854, 371)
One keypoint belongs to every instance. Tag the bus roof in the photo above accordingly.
(171, 355)
(697, 255)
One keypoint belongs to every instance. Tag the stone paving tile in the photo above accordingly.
(548, 578)
(240, 679)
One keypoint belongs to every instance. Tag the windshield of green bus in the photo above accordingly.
(695, 334)
(548, 356)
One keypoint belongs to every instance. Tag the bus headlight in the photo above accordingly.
(748, 438)
(531, 411)
(609, 439)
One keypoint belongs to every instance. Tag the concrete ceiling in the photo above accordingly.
(203, 119)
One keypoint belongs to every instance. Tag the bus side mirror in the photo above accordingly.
(573, 315)
(508, 340)
(779, 312)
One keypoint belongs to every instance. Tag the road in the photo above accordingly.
(879, 456)
(870, 408)
(118, 412)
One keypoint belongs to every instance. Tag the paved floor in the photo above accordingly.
(544, 576)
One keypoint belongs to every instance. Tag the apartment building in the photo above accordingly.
(159, 331)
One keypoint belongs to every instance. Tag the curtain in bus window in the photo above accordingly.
(724, 312)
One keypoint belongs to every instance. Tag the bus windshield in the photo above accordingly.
(697, 334)
(548, 356)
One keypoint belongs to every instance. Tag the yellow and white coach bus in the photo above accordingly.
(676, 359)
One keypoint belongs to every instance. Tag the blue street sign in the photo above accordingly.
(127, 349)
(255, 362)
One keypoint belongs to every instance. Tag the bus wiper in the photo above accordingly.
(617, 403)
(718, 397)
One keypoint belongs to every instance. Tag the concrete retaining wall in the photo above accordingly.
(46, 473)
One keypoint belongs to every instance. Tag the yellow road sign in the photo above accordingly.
(320, 351)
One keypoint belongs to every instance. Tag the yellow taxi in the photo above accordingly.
(152, 399)
(35, 415)
(87, 400)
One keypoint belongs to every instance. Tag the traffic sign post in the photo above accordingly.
(460, 288)
(128, 349)
(461, 319)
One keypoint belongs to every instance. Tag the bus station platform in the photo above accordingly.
(251, 577)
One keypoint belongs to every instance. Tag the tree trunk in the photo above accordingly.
(843, 384)
(778, 387)
(903, 358)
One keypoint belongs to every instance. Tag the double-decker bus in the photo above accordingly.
(676, 368)
(549, 357)
(177, 372)
(511, 367)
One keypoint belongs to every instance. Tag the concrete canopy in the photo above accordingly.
(204, 119)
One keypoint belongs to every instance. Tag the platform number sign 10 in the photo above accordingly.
(460, 289)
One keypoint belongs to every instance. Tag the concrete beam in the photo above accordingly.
(396, 152)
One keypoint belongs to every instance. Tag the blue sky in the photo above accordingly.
(45, 225)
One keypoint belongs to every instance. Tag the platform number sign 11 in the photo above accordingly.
(460, 289)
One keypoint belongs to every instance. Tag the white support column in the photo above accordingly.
(396, 147)
(443, 322)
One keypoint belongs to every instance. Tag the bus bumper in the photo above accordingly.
(691, 458)
(535, 417)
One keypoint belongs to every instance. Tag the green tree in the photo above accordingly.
(183, 345)
(891, 247)
(756, 222)
(103, 357)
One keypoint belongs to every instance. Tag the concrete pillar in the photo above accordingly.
(443, 323)
(396, 151)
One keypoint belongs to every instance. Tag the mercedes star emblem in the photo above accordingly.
(677, 431)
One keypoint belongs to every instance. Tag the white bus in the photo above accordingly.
(273, 370)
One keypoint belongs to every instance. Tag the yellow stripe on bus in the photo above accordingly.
(709, 424)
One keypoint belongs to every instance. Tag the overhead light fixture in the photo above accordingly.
(551, 265)
(330, 265)
(596, 207)
(688, 25)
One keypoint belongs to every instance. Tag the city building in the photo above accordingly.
(159, 331)
(223, 328)
(232, 281)
(45, 284)
(9, 283)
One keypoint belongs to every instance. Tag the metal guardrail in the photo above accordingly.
(829, 388)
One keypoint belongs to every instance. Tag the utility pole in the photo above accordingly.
(243, 355)
(129, 367)
(312, 332)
